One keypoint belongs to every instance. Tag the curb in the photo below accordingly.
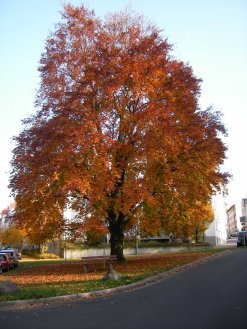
(111, 291)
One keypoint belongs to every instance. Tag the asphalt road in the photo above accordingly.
(212, 295)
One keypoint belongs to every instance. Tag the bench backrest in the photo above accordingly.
(110, 257)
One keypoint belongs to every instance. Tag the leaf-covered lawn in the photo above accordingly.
(51, 279)
(73, 271)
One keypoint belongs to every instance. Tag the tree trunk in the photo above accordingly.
(197, 236)
(116, 228)
(116, 241)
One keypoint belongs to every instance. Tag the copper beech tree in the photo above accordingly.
(118, 135)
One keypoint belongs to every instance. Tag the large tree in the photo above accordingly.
(118, 134)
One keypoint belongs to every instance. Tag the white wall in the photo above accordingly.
(217, 231)
(78, 253)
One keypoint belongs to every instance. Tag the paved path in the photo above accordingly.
(212, 295)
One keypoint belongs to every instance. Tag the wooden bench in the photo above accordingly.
(95, 260)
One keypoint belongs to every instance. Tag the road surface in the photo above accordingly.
(212, 295)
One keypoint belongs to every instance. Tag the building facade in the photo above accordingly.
(217, 233)
(232, 223)
(243, 218)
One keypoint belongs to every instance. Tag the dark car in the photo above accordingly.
(12, 256)
(6, 262)
(242, 238)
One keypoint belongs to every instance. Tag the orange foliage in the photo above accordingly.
(118, 131)
(198, 220)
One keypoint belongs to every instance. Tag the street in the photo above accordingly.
(212, 295)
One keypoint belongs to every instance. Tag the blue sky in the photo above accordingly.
(211, 35)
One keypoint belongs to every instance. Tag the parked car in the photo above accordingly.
(18, 253)
(234, 233)
(6, 262)
(242, 238)
(12, 256)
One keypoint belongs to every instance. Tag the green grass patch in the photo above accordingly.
(57, 289)
(43, 262)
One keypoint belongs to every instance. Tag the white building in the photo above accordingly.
(217, 233)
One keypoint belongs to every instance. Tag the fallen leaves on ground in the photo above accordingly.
(72, 271)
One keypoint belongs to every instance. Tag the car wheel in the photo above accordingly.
(1, 270)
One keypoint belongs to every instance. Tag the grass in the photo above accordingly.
(56, 289)
(40, 262)
(48, 278)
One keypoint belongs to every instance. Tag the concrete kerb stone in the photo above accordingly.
(111, 291)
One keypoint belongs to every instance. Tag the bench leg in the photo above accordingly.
(85, 269)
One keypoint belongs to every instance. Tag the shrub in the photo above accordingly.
(48, 256)
(37, 254)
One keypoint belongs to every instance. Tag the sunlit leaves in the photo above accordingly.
(118, 132)
(72, 271)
